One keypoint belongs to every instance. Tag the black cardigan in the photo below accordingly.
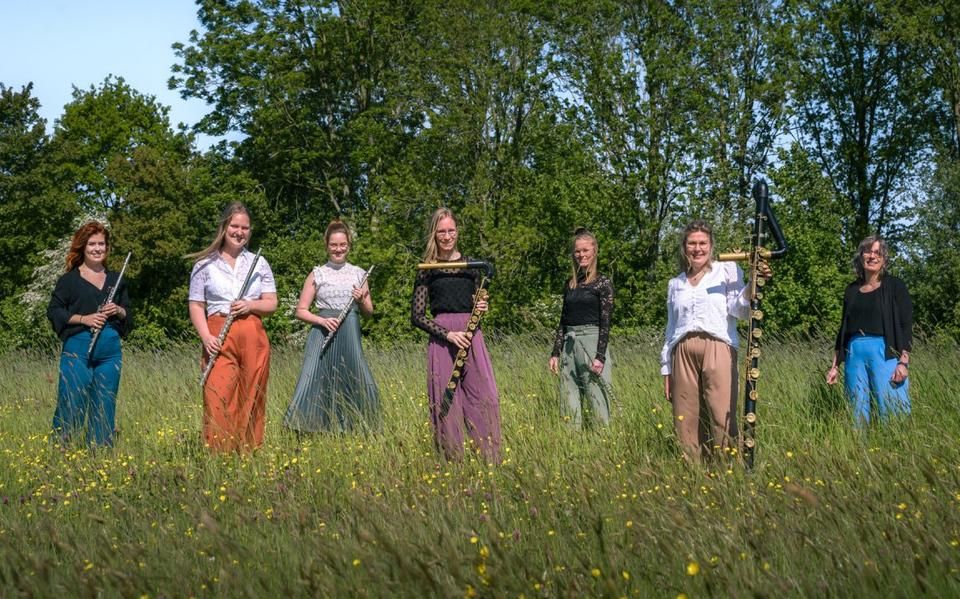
(75, 295)
(897, 318)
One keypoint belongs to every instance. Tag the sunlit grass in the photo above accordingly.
(613, 512)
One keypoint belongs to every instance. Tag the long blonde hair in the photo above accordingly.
(430, 255)
(590, 273)
(232, 209)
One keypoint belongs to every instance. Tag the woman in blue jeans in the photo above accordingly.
(89, 376)
(875, 338)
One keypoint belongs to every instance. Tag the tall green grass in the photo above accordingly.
(611, 512)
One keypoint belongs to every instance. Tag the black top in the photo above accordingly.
(587, 304)
(863, 314)
(75, 295)
(895, 310)
(449, 291)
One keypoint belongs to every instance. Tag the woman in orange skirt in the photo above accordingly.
(234, 396)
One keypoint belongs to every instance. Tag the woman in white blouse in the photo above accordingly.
(699, 357)
(234, 396)
(336, 391)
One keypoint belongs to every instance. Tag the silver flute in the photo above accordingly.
(343, 313)
(227, 323)
(113, 292)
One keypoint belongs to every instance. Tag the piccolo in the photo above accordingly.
(343, 313)
(113, 293)
(475, 315)
(765, 224)
(229, 321)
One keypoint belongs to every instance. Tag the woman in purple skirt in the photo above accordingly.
(450, 294)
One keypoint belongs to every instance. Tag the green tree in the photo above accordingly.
(860, 100)
(27, 199)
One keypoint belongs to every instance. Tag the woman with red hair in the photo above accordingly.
(89, 376)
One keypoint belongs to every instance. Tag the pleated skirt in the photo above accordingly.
(335, 391)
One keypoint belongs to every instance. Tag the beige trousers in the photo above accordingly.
(703, 385)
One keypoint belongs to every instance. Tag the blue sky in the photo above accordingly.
(58, 44)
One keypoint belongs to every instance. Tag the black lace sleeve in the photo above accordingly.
(605, 291)
(418, 308)
(558, 334)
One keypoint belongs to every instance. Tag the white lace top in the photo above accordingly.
(334, 284)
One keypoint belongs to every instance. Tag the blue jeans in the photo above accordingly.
(867, 380)
(88, 388)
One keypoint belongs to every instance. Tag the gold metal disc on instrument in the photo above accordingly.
(757, 315)
(451, 385)
(751, 418)
(754, 352)
(749, 442)
(761, 281)
(754, 373)
(460, 363)
(455, 374)
(754, 395)
(758, 295)
(757, 333)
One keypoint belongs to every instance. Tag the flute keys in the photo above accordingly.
(754, 352)
(756, 333)
(754, 373)
(754, 396)
(750, 442)
(757, 315)
(751, 417)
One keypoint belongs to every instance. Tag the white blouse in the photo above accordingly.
(217, 283)
(711, 307)
(334, 284)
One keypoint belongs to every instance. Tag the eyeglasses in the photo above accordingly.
(871, 253)
(447, 233)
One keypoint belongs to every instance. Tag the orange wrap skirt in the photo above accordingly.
(235, 396)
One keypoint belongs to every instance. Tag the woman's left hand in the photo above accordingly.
(482, 306)
(110, 309)
(900, 373)
(764, 270)
(241, 307)
(596, 367)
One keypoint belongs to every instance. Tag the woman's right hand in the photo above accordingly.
(459, 338)
(666, 388)
(555, 365)
(210, 344)
(330, 324)
(832, 375)
(94, 320)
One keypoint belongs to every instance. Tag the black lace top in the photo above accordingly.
(447, 291)
(588, 303)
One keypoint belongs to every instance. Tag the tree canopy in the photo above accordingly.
(528, 119)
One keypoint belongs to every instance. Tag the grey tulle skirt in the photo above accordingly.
(335, 392)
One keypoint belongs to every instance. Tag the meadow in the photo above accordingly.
(828, 510)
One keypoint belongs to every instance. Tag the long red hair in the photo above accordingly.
(80, 239)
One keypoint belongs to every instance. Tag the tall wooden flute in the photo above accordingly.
(343, 313)
(113, 293)
(229, 321)
(764, 224)
(474, 322)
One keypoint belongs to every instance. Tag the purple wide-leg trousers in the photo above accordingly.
(476, 403)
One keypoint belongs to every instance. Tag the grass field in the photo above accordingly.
(827, 510)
